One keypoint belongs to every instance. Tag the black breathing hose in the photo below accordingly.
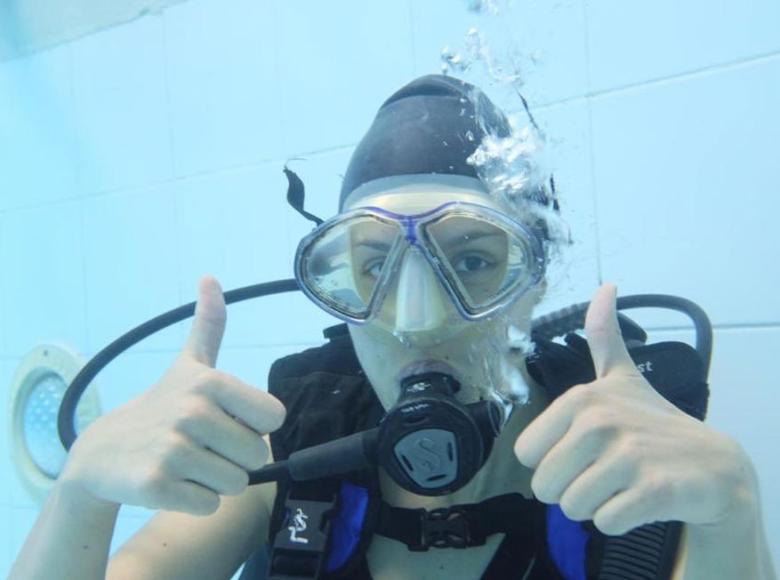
(548, 326)
(572, 318)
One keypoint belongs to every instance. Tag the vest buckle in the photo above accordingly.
(443, 528)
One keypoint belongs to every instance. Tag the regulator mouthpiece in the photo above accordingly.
(430, 443)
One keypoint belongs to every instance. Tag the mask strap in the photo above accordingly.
(553, 193)
(296, 194)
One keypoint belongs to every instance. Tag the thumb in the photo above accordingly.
(208, 327)
(603, 334)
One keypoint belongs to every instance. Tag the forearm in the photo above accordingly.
(737, 548)
(70, 539)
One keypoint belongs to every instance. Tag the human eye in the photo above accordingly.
(372, 268)
(471, 262)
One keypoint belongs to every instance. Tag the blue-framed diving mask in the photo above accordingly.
(373, 264)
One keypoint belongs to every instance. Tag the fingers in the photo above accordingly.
(229, 438)
(258, 410)
(206, 468)
(595, 486)
(603, 333)
(208, 327)
(624, 512)
(188, 497)
(565, 461)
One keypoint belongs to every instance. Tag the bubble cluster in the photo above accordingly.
(513, 167)
(477, 52)
(483, 6)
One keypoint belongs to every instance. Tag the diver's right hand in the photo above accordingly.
(191, 437)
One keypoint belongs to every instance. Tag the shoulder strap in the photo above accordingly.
(325, 389)
(674, 369)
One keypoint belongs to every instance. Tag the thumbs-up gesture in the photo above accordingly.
(190, 438)
(616, 452)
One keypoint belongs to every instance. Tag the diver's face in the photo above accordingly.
(419, 329)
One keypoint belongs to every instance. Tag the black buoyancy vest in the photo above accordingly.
(325, 390)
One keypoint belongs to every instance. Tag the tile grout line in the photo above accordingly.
(652, 82)
(169, 181)
(588, 95)
(172, 152)
(591, 149)
(694, 73)
(311, 343)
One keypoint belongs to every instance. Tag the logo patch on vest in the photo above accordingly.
(298, 526)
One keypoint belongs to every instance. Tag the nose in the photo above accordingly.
(420, 299)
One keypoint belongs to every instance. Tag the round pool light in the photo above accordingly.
(39, 385)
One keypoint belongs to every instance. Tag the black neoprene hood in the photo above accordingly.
(430, 126)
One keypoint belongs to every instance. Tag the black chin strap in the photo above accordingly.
(462, 526)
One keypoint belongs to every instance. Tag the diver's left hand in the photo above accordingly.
(616, 452)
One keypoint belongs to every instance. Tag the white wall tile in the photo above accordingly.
(338, 62)
(129, 375)
(8, 477)
(131, 265)
(251, 365)
(7, 556)
(544, 41)
(14, 492)
(121, 107)
(43, 286)
(234, 225)
(2, 291)
(224, 90)
(37, 138)
(684, 175)
(632, 42)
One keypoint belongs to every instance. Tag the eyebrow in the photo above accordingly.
(471, 236)
(380, 246)
(456, 240)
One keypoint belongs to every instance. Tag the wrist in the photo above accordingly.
(72, 491)
(743, 506)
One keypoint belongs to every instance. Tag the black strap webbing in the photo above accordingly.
(460, 526)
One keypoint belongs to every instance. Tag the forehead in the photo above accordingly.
(419, 196)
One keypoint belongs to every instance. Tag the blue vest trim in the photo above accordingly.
(347, 524)
(566, 542)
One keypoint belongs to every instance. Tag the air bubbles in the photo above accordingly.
(516, 389)
(483, 6)
(519, 340)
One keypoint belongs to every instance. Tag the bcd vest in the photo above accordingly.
(322, 528)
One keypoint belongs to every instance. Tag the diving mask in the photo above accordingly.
(365, 263)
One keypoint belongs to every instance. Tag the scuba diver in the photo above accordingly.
(489, 459)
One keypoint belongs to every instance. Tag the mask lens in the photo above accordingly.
(482, 260)
(342, 266)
